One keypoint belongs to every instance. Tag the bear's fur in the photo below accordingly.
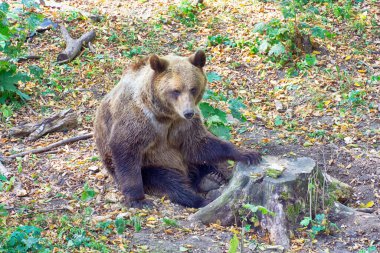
(150, 135)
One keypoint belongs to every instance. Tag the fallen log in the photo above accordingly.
(73, 46)
(286, 194)
(63, 121)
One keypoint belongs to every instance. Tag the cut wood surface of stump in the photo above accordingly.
(285, 195)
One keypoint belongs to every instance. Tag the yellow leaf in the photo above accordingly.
(369, 204)
(316, 52)
(347, 57)
(234, 230)
(357, 84)
(151, 219)
(362, 70)
(307, 144)
(327, 102)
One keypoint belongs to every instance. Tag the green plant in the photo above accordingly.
(234, 244)
(249, 214)
(219, 40)
(281, 41)
(15, 29)
(277, 37)
(77, 237)
(3, 212)
(5, 183)
(6, 111)
(136, 223)
(320, 224)
(120, 225)
(87, 193)
(216, 119)
(341, 12)
(370, 249)
(135, 50)
(170, 222)
(186, 12)
(354, 98)
(254, 210)
(105, 226)
(317, 134)
(25, 239)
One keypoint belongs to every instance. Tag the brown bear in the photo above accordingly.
(150, 134)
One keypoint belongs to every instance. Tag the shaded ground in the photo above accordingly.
(54, 182)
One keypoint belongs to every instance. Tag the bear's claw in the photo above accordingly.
(140, 204)
(250, 157)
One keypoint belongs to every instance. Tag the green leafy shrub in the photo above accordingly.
(15, 28)
(216, 119)
(24, 239)
(319, 225)
(220, 40)
(282, 41)
(186, 12)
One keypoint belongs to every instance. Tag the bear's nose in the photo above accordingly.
(188, 114)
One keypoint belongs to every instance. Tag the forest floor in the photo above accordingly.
(331, 113)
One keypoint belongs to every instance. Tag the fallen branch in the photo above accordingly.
(73, 46)
(23, 58)
(51, 146)
(62, 121)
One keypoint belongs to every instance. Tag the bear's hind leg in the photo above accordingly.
(161, 181)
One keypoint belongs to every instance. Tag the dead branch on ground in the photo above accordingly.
(62, 121)
(51, 146)
(73, 46)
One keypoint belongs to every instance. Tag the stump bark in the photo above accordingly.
(285, 195)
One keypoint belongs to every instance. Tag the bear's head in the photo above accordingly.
(178, 83)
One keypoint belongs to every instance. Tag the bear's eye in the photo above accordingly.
(175, 93)
(194, 91)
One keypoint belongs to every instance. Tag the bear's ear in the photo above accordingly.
(198, 59)
(157, 64)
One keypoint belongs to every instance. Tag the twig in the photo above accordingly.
(38, 211)
(51, 146)
(31, 110)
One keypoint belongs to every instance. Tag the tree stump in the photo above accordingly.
(286, 195)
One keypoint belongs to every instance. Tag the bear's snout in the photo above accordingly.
(188, 113)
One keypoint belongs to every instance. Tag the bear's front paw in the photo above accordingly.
(140, 204)
(249, 157)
